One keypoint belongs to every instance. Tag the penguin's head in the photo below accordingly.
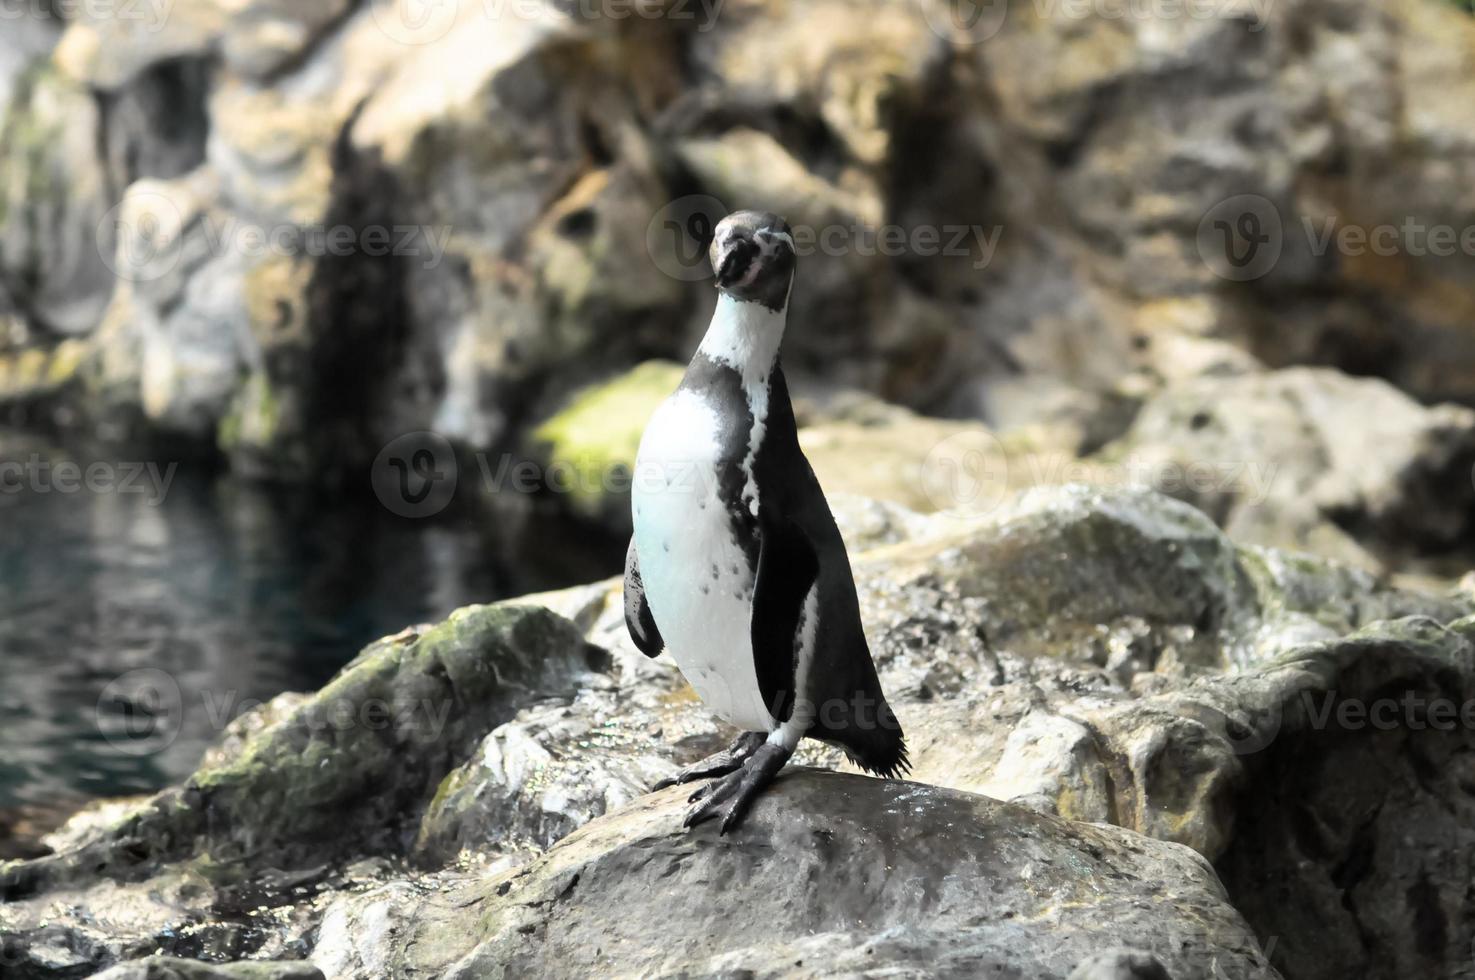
(753, 255)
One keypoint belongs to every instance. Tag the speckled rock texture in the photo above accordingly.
(921, 868)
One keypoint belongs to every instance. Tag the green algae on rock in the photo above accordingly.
(590, 445)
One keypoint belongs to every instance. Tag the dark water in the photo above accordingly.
(134, 624)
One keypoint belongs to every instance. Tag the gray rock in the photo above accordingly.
(167, 968)
(1311, 460)
(1121, 964)
(833, 874)
(1353, 826)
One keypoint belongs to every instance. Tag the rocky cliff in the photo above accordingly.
(293, 231)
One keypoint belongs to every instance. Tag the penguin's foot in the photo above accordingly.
(724, 762)
(733, 794)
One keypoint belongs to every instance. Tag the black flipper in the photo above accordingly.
(787, 569)
(638, 620)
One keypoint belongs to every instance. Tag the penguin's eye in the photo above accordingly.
(770, 240)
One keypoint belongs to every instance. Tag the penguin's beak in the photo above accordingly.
(736, 261)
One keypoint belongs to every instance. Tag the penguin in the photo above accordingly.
(736, 566)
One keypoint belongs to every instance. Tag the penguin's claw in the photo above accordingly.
(710, 797)
(720, 764)
(737, 790)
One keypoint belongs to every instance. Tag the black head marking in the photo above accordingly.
(753, 255)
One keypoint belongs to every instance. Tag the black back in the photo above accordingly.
(851, 709)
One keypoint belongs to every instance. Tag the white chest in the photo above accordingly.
(698, 577)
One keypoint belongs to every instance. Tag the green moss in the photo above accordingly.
(1335, 595)
(66, 360)
(228, 432)
(395, 721)
(448, 788)
(27, 141)
(254, 418)
(593, 441)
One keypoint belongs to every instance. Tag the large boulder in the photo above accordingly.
(1311, 460)
(1353, 833)
(836, 874)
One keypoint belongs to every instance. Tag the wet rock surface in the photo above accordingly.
(1150, 700)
